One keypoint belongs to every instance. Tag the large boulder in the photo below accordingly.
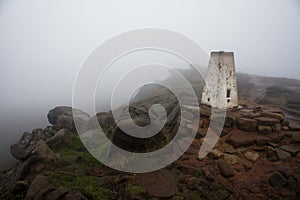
(42, 150)
(25, 139)
(19, 152)
(246, 124)
(62, 117)
(32, 162)
(28, 146)
(20, 172)
(22, 149)
(104, 119)
(40, 134)
(59, 139)
(57, 111)
(64, 121)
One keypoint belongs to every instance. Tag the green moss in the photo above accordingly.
(178, 198)
(291, 183)
(176, 171)
(90, 186)
(220, 194)
(76, 172)
(17, 191)
(74, 143)
(75, 152)
(134, 190)
(153, 198)
(198, 173)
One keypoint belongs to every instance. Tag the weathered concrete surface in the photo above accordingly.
(220, 90)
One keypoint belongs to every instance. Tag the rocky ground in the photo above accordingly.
(256, 157)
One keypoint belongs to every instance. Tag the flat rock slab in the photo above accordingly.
(295, 138)
(232, 159)
(274, 111)
(240, 139)
(294, 126)
(267, 121)
(273, 115)
(252, 156)
(282, 154)
(292, 150)
(276, 179)
(261, 140)
(264, 129)
(215, 154)
(277, 137)
(158, 184)
(251, 115)
(246, 124)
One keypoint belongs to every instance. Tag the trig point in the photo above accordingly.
(220, 90)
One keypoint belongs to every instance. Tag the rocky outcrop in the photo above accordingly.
(24, 147)
(38, 154)
(104, 119)
(62, 117)
(256, 157)
(135, 144)
(42, 150)
(35, 148)
(59, 139)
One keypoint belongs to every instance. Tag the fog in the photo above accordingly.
(44, 43)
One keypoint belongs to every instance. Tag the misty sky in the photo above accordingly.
(43, 43)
